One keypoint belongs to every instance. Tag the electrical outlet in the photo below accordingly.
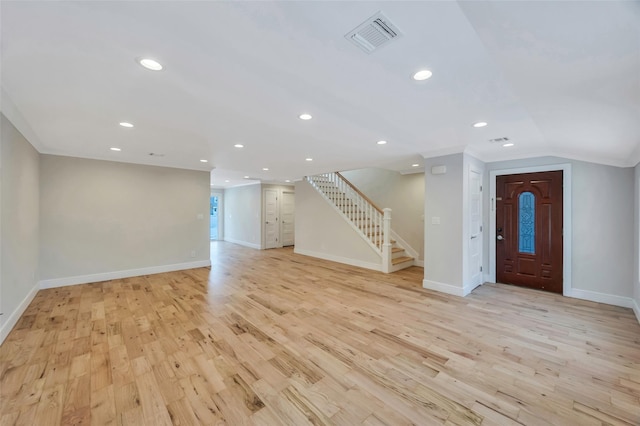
(193, 253)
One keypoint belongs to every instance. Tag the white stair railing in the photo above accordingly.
(373, 223)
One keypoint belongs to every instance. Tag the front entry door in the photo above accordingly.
(529, 230)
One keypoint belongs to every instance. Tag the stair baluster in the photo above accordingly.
(372, 223)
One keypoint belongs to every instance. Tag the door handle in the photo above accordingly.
(499, 238)
(474, 236)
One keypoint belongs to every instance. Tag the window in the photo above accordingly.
(527, 223)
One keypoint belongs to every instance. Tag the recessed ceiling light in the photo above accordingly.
(227, 180)
(115, 149)
(150, 64)
(305, 116)
(239, 145)
(266, 169)
(415, 165)
(422, 75)
(125, 124)
(204, 161)
(381, 142)
(507, 145)
(287, 180)
(479, 124)
(246, 177)
(308, 159)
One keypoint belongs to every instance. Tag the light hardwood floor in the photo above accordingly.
(270, 338)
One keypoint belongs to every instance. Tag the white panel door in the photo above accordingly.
(475, 227)
(271, 224)
(287, 216)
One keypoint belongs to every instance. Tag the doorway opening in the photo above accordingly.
(214, 217)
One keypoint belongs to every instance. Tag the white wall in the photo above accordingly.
(19, 225)
(602, 223)
(636, 234)
(321, 232)
(443, 258)
(102, 217)
(243, 215)
(404, 194)
(602, 219)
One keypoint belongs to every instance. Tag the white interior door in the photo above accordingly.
(475, 227)
(271, 224)
(287, 216)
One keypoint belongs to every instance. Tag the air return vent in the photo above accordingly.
(373, 33)
(499, 140)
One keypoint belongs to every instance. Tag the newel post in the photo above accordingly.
(386, 242)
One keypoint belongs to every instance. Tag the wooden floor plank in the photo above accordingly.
(271, 337)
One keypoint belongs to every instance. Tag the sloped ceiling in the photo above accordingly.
(556, 78)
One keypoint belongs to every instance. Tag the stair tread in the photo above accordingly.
(396, 249)
(401, 260)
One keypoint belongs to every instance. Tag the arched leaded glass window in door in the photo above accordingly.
(527, 223)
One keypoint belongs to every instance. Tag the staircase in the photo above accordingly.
(372, 223)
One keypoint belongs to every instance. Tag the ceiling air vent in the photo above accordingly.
(373, 33)
(499, 140)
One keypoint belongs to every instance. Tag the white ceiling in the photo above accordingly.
(557, 78)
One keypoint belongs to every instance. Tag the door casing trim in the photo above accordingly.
(566, 219)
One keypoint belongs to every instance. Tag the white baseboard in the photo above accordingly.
(340, 259)
(594, 296)
(115, 275)
(636, 310)
(419, 263)
(469, 288)
(243, 243)
(444, 288)
(12, 320)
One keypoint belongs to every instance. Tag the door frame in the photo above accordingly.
(566, 218)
